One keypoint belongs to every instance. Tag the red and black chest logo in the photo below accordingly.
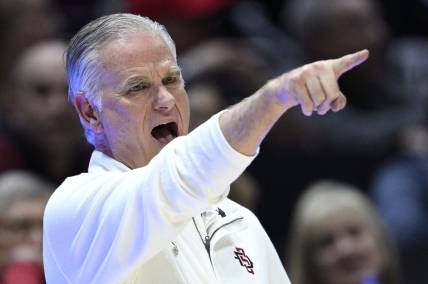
(244, 260)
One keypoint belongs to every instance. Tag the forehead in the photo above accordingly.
(340, 219)
(136, 50)
(362, 8)
(30, 207)
(42, 64)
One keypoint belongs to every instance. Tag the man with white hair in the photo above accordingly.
(153, 206)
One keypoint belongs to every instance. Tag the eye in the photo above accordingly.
(139, 87)
(325, 241)
(354, 231)
(42, 90)
(169, 80)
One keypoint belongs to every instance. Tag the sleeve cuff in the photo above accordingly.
(222, 142)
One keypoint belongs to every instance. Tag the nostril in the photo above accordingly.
(164, 100)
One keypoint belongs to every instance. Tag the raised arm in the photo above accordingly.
(313, 86)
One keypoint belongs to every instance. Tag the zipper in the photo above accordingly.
(207, 239)
(207, 245)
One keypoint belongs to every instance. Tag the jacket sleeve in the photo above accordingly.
(100, 226)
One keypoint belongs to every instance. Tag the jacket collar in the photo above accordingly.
(101, 162)
(231, 214)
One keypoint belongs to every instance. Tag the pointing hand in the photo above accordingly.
(314, 86)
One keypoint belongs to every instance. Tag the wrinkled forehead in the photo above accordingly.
(137, 49)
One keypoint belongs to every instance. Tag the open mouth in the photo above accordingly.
(165, 133)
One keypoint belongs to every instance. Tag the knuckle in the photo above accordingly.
(343, 101)
(319, 66)
(292, 89)
(296, 79)
(333, 95)
(306, 67)
(318, 100)
(306, 70)
(339, 103)
(346, 64)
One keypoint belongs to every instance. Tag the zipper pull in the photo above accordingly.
(221, 212)
(174, 249)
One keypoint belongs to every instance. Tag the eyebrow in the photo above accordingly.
(132, 81)
(136, 79)
(176, 71)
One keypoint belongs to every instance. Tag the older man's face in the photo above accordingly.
(144, 103)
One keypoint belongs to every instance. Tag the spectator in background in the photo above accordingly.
(23, 197)
(400, 185)
(338, 238)
(408, 64)
(400, 189)
(230, 65)
(205, 99)
(375, 116)
(216, 70)
(353, 143)
(39, 120)
(188, 21)
(23, 23)
(246, 191)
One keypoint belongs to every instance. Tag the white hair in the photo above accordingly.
(21, 185)
(82, 56)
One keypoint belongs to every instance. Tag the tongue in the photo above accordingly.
(164, 135)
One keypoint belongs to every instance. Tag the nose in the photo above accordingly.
(345, 246)
(56, 103)
(36, 236)
(164, 101)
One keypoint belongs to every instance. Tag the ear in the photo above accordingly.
(87, 113)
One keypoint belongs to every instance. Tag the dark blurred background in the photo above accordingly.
(227, 50)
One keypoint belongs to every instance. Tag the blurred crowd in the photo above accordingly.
(344, 196)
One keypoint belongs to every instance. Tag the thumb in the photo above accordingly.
(347, 62)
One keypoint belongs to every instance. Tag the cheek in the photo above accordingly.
(120, 120)
(31, 108)
(183, 108)
(372, 250)
(113, 119)
(322, 265)
(323, 257)
(126, 110)
(366, 243)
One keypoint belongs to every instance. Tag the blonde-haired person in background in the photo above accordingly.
(337, 237)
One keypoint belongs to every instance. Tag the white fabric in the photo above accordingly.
(117, 225)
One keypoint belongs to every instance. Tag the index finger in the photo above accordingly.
(347, 62)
